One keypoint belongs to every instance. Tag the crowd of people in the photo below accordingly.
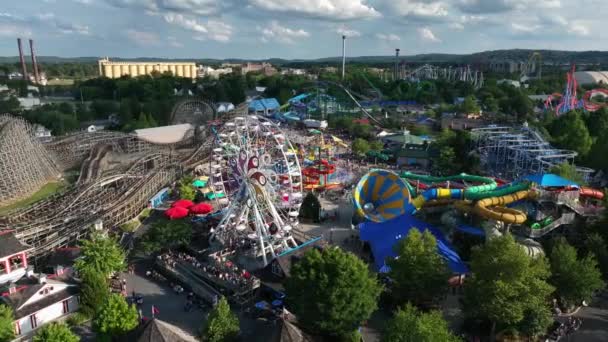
(229, 273)
(566, 328)
(218, 269)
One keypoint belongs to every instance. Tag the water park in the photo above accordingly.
(531, 207)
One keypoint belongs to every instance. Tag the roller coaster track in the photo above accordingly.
(114, 199)
(352, 97)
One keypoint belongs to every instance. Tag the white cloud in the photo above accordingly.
(322, 9)
(389, 37)
(525, 28)
(275, 32)
(426, 34)
(12, 31)
(185, 23)
(143, 38)
(213, 30)
(349, 33)
(420, 9)
(579, 29)
(173, 42)
(499, 6)
(200, 7)
(219, 31)
(456, 26)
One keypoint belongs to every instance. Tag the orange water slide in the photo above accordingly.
(590, 192)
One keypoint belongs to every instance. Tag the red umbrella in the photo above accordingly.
(201, 208)
(176, 213)
(184, 203)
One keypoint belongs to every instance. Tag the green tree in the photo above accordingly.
(490, 104)
(9, 105)
(222, 324)
(332, 291)
(100, 254)
(7, 328)
(536, 320)
(55, 332)
(575, 279)
(469, 105)
(568, 171)
(310, 207)
(376, 146)
(142, 121)
(151, 121)
(420, 275)
(167, 234)
(410, 325)
(596, 157)
(94, 291)
(596, 244)
(445, 162)
(570, 132)
(361, 131)
(505, 284)
(360, 147)
(187, 191)
(116, 316)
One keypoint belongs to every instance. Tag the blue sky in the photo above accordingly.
(298, 28)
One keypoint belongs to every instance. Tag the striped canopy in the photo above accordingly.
(380, 196)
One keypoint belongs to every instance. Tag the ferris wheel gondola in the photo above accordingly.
(260, 185)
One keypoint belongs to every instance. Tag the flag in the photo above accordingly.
(155, 311)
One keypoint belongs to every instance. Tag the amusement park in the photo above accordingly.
(331, 212)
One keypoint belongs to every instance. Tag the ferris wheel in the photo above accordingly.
(256, 176)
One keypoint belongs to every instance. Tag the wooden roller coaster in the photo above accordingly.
(112, 195)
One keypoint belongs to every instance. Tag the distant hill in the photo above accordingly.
(548, 56)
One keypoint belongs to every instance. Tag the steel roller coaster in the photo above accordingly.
(515, 152)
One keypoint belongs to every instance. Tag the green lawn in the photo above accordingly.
(44, 192)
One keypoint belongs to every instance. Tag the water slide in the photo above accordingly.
(487, 184)
(590, 192)
(494, 208)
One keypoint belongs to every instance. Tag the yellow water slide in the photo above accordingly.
(494, 207)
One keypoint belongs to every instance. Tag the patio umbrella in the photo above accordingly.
(176, 213)
(199, 183)
(201, 208)
(184, 203)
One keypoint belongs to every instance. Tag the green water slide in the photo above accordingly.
(487, 184)
(487, 188)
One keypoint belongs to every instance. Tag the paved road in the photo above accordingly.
(169, 304)
(595, 322)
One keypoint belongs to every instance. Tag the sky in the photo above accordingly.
(294, 29)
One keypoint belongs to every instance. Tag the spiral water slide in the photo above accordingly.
(490, 200)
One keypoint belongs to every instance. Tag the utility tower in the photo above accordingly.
(343, 55)
(396, 76)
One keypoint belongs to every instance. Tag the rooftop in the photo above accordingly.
(10, 245)
(156, 330)
(264, 104)
(404, 139)
(164, 134)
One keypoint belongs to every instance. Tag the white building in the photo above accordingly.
(292, 71)
(36, 299)
(15, 76)
(513, 83)
(224, 107)
(28, 102)
(591, 77)
(204, 71)
(42, 132)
